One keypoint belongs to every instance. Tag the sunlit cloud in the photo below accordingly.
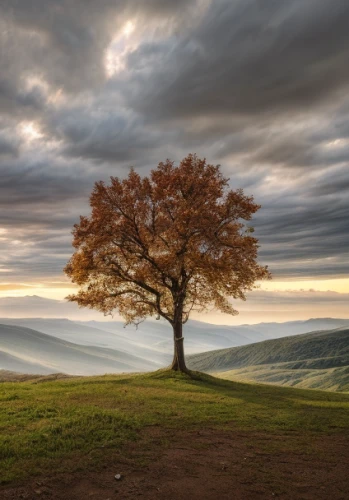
(128, 28)
(35, 82)
(337, 143)
(121, 45)
(30, 131)
(5, 287)
(49, 289)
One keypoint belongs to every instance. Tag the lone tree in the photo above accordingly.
(165, 245)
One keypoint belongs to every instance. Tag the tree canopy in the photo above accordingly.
(165, 245)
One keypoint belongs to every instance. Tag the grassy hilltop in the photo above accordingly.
(46, 424)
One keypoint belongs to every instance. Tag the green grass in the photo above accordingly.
(330, 379)
(44, 423)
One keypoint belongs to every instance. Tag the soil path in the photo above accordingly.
(205, 465)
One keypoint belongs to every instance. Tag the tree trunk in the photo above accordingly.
(178, 363)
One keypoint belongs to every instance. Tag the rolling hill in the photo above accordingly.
(200, 336)
(29, 351)
(325, 379)
(88, 335)
(313, 360)
(152, 340)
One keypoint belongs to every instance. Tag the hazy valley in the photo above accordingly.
(280, 353)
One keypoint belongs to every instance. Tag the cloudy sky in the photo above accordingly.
(89, 88)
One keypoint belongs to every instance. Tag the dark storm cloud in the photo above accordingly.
(103, 134)
(304, 232)
(9, 146)
(260, 87)
(246, 57)
(335, 186)
(44, 182)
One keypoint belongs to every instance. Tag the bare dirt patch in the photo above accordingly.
(203, 465)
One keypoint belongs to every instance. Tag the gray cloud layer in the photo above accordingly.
(247, 57)
(260, 87)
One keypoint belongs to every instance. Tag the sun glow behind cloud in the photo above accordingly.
(117, 51)
(30, 131)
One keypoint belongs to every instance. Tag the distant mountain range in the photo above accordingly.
(32, 306)
(315, 360)
(29, 351)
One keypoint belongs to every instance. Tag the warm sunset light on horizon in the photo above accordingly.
(273, 301)
(58, 289)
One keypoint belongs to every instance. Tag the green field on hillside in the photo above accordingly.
(327, 349)
(326, 379)
(43, 422)
(316, 360)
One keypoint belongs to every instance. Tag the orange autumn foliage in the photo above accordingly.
(166, 245)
